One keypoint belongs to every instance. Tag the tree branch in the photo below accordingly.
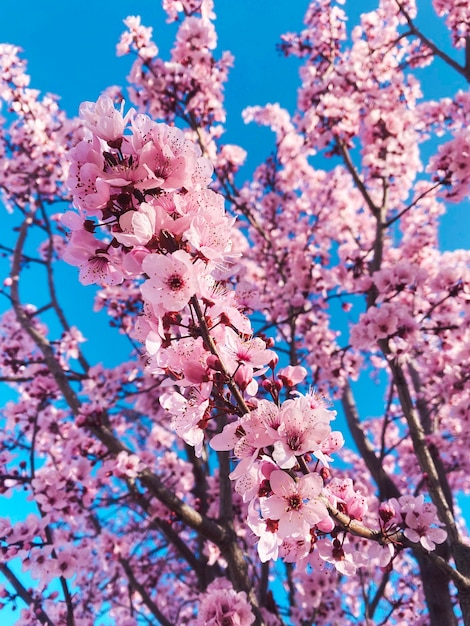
(25, 595)
(387, 488)
(463, 70)
(147, 600)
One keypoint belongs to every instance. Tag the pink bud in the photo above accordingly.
(292, 375)
(243, 376)
(386, 512)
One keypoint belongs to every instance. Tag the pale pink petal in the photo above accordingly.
(273, 507)
(282, 484)
(310, 486)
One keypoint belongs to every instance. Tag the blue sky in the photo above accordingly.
(70, 47)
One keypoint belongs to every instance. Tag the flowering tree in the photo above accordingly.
(203, 480)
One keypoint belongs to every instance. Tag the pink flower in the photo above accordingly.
(354, 501)
(138, 35)
(90, 192)
(342, 554)
(419, 516)
(293, 549)
(305, 424)
(99, 270)
(292, 375)
(294, 504)
(416, 516)
(250, 352)
(188, 414)
(40, 564)
(127, 465)
(169, 159)
(419, 532)
(87, 253)
(250, 433)
(221, 605)
(103, 119)
(66, 564)
(172, 282)
(139, 227)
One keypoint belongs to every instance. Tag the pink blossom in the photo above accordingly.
(418, 531)
(419, 515)
(458, 18)
(172, 280)
(354, 501)
(138, 35)
(237, 351)
(103, 119)
(304, 425)
(197, 33)
(248, 435)
(188, 414)
(169, 159)
(294, 503)
(342, 554)
(95, 263)
(40, 564)
(415, 516)
(220, 605)
(137, 227)
(269, 541)
(128, 465)
(90, 191)
(292, 375)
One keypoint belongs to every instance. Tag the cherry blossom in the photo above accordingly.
(221, 605)
(294, 505)
(172, 281)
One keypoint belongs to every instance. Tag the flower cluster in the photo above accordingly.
(458, 19)
(32, 149)
(284, 508)
(221, 605)
(415, 517)
(451, 166)
(147, 216)
(146, 188)
(190, 85)
(143, 185)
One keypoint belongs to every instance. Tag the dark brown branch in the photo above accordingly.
(387, 488)
(25, 595)
(357, 179)
(463, 70)
(422, 195)
(147, 600)
(420, 446)
(51, 286)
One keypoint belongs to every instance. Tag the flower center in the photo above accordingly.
(295, 502)
(294, 442)
(175, 282)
